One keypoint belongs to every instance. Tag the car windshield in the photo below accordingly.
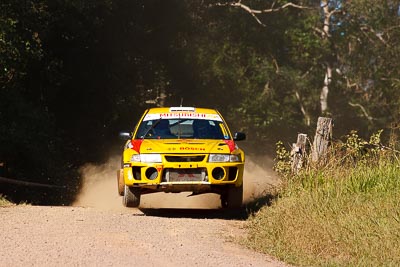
(182, 129)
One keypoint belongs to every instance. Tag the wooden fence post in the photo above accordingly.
(323, 135)
(298, 152)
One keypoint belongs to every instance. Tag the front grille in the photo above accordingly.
(185, 175)
(185, 158)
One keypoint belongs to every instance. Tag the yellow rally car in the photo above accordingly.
(182, 149)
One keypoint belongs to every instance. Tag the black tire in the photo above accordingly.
(233, 197)
(131, 197)
(120, 182)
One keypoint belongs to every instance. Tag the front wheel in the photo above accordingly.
(232, 197)
(120, 182)
(131, 197)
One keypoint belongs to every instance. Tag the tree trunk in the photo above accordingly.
(328, 72)
(325, 89)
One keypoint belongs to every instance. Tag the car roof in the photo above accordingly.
(182, 109)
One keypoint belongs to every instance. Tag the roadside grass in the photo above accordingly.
(346, 214)
(4, 201)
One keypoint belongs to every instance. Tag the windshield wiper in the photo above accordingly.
(151, 128)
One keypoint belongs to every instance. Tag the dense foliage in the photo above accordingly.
(73, 73)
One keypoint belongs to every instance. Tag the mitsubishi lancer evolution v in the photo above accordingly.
(181, 149)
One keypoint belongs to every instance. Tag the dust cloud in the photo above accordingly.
(99, 185)
(258, 178)
(99, 188)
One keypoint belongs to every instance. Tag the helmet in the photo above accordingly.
(162, 128)
(201, 128)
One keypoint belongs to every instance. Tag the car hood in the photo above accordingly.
(184, 146)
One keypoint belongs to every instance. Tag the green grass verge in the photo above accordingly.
(336, 217)
(4, 201)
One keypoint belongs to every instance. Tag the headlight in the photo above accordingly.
(147, 158)
(135, 158)
(223, 158)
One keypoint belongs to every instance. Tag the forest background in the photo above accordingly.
(73, 73)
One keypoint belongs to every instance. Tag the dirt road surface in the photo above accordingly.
(78, 236)
(167, 230)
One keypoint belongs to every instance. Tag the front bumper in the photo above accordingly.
(181, 176)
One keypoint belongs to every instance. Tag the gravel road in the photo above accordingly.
(79, 236)
(168, 229)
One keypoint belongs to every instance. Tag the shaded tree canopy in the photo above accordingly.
(74, 73)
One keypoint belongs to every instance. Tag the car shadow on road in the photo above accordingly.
(242, 213)
(228, 214)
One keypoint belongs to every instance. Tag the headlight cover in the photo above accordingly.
(224, 158)
(146, 158)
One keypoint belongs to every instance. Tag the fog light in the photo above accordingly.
(151, 173)
(218, 173)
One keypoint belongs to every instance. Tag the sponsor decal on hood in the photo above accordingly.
(176, 146)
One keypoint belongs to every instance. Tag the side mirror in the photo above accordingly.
(125, 136)
(239, 136)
